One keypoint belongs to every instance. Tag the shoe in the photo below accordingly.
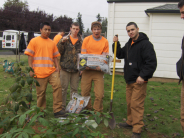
(125, 125)
(136, 135)
(60, 114)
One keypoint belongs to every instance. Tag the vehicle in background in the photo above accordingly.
(10, 39)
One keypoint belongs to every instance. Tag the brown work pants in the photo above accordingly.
(66, 78)
(135, 96)
(87, 77)
(54, 80)
(182, 106)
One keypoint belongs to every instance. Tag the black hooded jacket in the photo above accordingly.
(140, 58)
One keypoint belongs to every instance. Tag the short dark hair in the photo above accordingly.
(62, 30)
(181, 4)
(96, 24)
(75, 24)
(132, 23)
(44, 23)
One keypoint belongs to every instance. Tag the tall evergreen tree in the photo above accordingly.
(81, 25)
(99, 18)
(104, 25)
(16, 3)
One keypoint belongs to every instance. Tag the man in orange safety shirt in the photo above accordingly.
(42, 52)
(94, 44)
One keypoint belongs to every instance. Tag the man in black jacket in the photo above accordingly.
(140, 64)
(181, 69)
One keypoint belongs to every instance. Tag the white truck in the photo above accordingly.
(10, 39)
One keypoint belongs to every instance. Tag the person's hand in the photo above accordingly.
(98, 68)
(64, 39)
(57, 70)
(140, 80)
(31, 74)
(115, 39)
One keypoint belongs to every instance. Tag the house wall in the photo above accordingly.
(160, 28)
(166, 35)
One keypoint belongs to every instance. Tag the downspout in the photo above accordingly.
(113, 15)
(150, 26)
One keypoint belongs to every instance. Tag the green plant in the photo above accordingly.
(21, 124)
(19, 94)
(22, 117)
(75, 126)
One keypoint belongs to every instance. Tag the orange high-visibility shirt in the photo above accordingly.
(92, 46)
(43, 51)
(73, 40)
(57, 38)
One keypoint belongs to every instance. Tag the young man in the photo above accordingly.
(69, 47)
(94, 44)
(42, 52)
(59, 36)
(181, 7)
(140, 64)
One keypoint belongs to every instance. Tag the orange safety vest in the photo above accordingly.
(43, 52)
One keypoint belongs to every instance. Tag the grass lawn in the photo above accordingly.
(162, 104)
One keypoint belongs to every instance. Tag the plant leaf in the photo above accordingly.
(43, 121)
(14, 118)
(91, 123)
(36, 136)
(14, 87)
(18, 79)
(29, 97)
(22, 83)
(75, 132)
(16, 107)
(34, 118)
(77, 119)
(18, 130)
(29, 131)
(22, 119)
(37, 83)
(106, 122)
(29, 80)
(23, 104)
(65, 122)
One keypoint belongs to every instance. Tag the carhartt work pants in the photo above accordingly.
(182, 106)
(66, 78)
(135, 96)
(54, 80)
(87, 77)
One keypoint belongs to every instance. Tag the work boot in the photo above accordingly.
(60, 114)
(136, 135)
(125, 125)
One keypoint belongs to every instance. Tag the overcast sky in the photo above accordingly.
(88, 8)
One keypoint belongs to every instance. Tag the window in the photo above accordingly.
(12, 37)
(8, 44)
(8, 37)
(1, 34)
